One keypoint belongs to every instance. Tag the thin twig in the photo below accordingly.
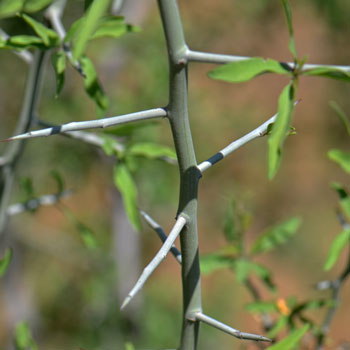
(161, 234)
(26, 56)
(227, 329)
(93, 124)
(160, 256)
(35, 203)
(205, 57)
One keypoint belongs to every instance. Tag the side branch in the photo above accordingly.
(207, 57)
(93, 124)
(258, 132)
(227, 329)
(160, 256)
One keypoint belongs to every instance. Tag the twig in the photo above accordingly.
(93, 124)
(117, 6)
(160, 256)
(24, 54)
(204, 57)
(35, 203)
(227, 329)
(161, 234)
(258, 132)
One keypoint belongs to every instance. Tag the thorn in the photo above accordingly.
(125, 302)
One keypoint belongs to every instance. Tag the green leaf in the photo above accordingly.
(275, 236)
(343, 196)
(336, 248)
(231, 227)
(59, 180)
(261, 307)
(26, 184)
(241, 71)
(281, 323)
(328, 72)
(213, 262)
(48, 36)
(288, 13)
(87, 235)
(151, 150)
(35, 5)
(280, 129)
(129, 346)
(5, 261)
(21, 42)
(342, 116)
(341, 158)
(92, 86)
(59, 65)
(95, 11)
(109, 146)
(113, 26)
(23, 337)
(73, 29)
(291, 340)
(125, 184)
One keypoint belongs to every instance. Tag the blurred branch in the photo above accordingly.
(24, 54)
(161, 234)
(198, 316)
(160, 256)
(205, 57)
(93, 124)
(117, 6)
(35, 203)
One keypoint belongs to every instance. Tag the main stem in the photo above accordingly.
(189, 173)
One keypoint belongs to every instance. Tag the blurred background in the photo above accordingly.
(70, 295)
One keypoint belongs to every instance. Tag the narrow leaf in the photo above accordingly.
(280, 129)
(35, 5)
(20, 42)
(328, 72)
(125, 184)
(87, 235)
(336, 248)
(5, 261)
(341, 158)
(74, 29)
(291, 340)
(342, 116)
(95, 11)
(10, 7)
(241, 71)
(151, 150)
(231, 229)
(113, 26)
(288, 13)
(260, 307)
(213, 262)
(48, 36)
(92, 86)
(59, 65)
(343, 196)
(276, 235)
(59, 180)
(281, 323)
(23, 337)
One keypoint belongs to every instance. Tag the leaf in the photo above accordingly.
(73, 29)
(59, 64)
(21, 42)
(275, 236)
(288, 13)
(261, 307)
(328, 72)
(26, 184)
(59, 180)
(87, 235)
(125, 184)
(291, 340)
(213, 262)
(5, 261)
(35, 5)
(109, 146)
(23, 337)
(113, 26)
(151, 150)
(92, 86)
(48, 36)
(343, 196)
(342, 116)
(336, 248)
(241, 71)
(129, 346)
(279, 325)
(341, 158)
(231, 229)
(95, 11)
(280, 129)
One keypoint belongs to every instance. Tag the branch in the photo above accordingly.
(227, 329)
(160, 256)
(35, 203)
(161, 234)
(204, 57)
(117, 6)
(26, 56)
(93, 124)
(258, 132)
